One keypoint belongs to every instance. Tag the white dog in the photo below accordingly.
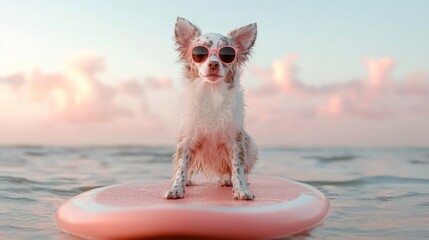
(211, 138)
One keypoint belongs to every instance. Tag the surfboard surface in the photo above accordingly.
(281, 208)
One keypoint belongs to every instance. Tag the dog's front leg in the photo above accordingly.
(238, 177)
(181, 164)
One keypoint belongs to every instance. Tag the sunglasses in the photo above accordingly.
(226, 54)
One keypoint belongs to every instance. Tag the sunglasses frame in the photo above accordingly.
(216, 50)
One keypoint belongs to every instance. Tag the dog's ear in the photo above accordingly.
(184, 33)
(244, 37)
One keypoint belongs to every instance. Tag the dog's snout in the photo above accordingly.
(213, 65)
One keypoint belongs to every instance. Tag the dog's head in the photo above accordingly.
(213, 57)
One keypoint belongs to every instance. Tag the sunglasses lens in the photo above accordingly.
(200, 54)
(227, 54)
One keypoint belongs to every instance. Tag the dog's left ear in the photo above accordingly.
(244, 37)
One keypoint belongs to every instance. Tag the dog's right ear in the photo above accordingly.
(184, 33)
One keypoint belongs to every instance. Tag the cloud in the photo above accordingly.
(283, 104)
(158, 83)
(15, 81)
(377, 96)
(283, 109)
(131, 87)
(79, 96)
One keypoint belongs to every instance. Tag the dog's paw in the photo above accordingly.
(243, 194)
(189, 183)
(175, 193)
(225, 183)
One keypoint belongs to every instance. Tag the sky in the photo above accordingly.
(336, 73)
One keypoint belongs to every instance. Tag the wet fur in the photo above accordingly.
(212, 139)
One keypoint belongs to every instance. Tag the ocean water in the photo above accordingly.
(374, 193)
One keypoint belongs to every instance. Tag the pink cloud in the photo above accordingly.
(283, 110)
(131, 87)
(283, 105)
(158, 83)
(15, 81)
(79, 96)
(377, 96)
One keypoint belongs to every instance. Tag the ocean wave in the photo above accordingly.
(86, 188)
(332, 159)
(17, 180)
(24, 186)
(142, 153)
(371, 180)
(418, 161)
(35, 154)
(19, 199)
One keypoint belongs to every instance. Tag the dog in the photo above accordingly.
(211, 137)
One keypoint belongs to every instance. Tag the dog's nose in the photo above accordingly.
(213, 65)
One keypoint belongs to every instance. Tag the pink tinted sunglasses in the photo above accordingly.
(226, 54)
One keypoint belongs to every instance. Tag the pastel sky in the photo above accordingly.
(323, 73)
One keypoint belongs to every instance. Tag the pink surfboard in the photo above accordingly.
(281, 208)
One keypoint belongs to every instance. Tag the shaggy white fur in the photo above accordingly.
(212, 139)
